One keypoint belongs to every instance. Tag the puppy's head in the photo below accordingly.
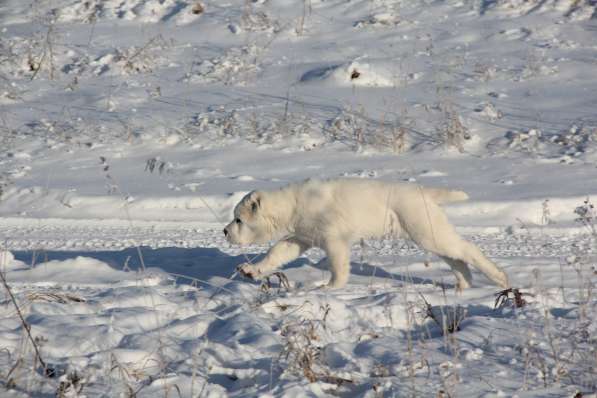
(250, 223)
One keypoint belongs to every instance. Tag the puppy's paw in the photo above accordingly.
(334, 284)
(249, 271)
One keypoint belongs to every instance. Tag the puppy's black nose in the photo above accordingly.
(225, 232)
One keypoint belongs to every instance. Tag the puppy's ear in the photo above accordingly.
(255, 200)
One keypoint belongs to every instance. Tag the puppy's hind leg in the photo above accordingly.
(429, 227)
(457, 252)
(472, 255)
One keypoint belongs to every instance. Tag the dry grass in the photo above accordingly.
(448, 318)
(452, 131)
(55, 297)
(45, 370)
(302, 352)
(72, 384)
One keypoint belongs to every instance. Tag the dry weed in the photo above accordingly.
(302, 352)
(51, 297)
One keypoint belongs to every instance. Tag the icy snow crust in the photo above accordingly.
(129, 129)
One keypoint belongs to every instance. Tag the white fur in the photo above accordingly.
(333, 214)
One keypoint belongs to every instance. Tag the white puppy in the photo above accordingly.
(333, 214)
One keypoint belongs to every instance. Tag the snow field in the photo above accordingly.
(233, 338)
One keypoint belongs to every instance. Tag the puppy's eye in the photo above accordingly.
(238, 221)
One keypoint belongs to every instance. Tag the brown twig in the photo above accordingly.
(282, 282)
(503, 297)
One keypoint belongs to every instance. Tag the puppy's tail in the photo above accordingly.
(440, 196)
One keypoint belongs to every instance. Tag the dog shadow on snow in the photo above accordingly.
(200, 263)
(367, 270)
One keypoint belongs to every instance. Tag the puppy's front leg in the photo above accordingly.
(338, 253)
(281, 253)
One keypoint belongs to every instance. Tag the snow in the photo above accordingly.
(129, 129)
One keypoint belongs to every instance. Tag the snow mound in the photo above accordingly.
(381, 19)
(572, 9)
(146, 11)
(73, 205)
(528, 211)
(236, 66)
(362, 73)
(79, 270)
(8, 262)
(576, 142)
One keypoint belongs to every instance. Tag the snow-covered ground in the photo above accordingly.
(130, 128)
